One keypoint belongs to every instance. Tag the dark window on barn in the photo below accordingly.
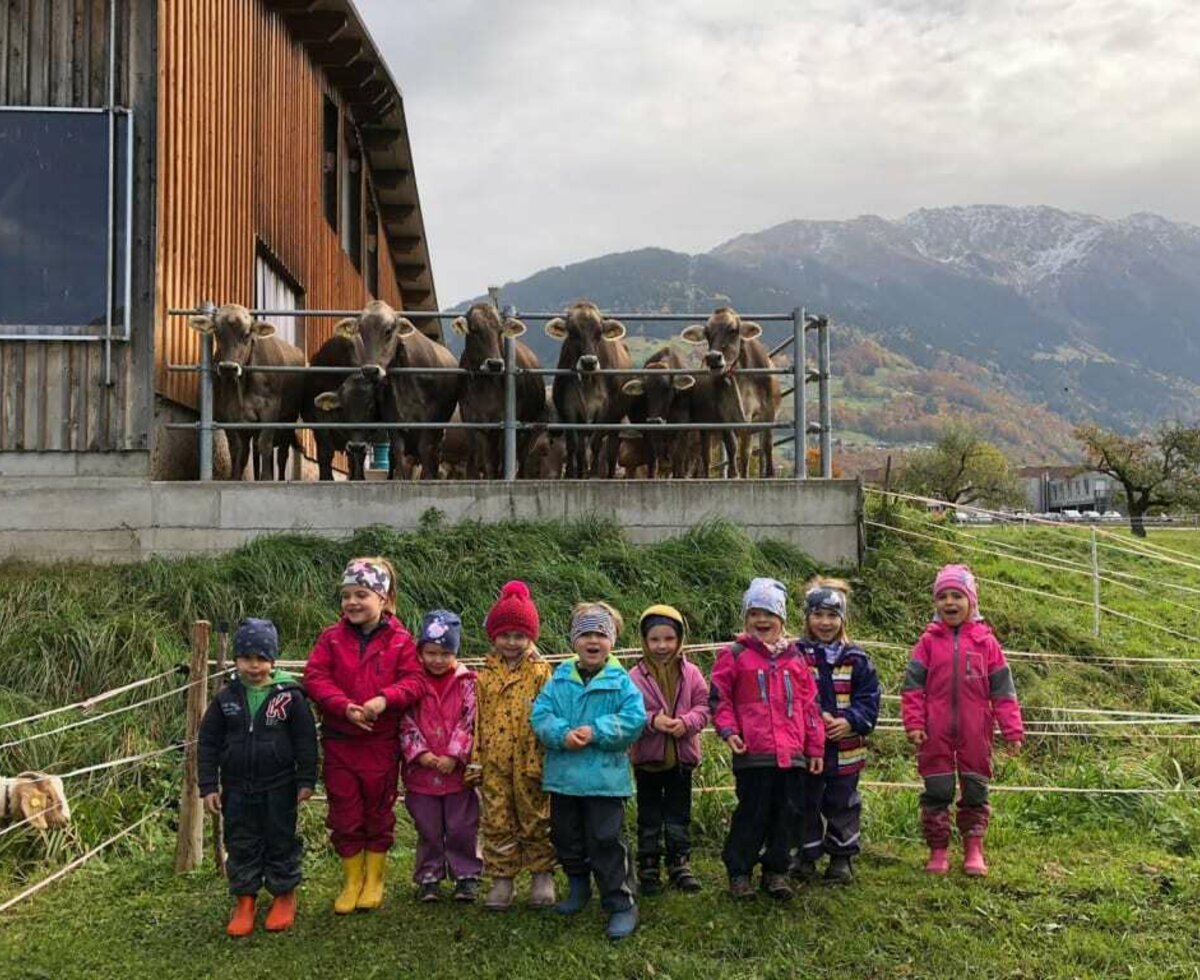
(352, 199)
(372, 249)
(329, 162)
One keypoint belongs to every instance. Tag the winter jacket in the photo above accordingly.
(771, 702)
(956, 689)
(504, 739)
(847, 688)
(691, 706)
(443, 725)
(612, 705)
(347, 667)
(275, 747)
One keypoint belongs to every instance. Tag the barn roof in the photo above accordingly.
(338, 42)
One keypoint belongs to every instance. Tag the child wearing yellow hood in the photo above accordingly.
(676, 699)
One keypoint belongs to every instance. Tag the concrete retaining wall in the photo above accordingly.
(132, 519)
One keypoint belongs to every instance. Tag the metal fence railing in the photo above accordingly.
(799, 428)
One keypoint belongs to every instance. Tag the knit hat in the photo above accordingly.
(767, 594)
(256, 637)
(594, 619)
(442, 627)
(513, 612)
(825, 597)
(958, 577)
(369, 575)
(661, 616)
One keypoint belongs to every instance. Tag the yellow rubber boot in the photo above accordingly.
(354, 869)
(371, 896)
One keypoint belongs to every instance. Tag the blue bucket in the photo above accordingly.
(381, 456)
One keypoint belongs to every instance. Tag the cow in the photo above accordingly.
(660, 398)
(334, 396)
(391, 341)
(252, 396)
(733, 346)
(481, 393)
(589, 341)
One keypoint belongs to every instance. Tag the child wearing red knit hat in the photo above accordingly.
(515, 824)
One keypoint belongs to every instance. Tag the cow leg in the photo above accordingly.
(767, 445)
(324, 458)
(730, 446)
(263, 447)
(572, 439)
(743, 451)
(238, 446)
(430, 445)
(395, 452)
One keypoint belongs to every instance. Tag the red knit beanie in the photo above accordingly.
(513, 612)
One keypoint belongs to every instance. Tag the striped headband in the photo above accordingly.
(593, 621)
(369, 576)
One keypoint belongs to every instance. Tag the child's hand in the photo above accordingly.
(662, 723)
(916, 736)
(212, 803)
(473, 774)
(577, 738)
(678, 727)
(816, 766)
(428, 760)
(836, 728)
(446, 764)
(304, 793)
(375, 707)
(356, 715)
(736, 744)
(1012, 748)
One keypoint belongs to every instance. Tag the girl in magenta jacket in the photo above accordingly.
(957, 689)
(437, 735)
(676, 699)
(362, 673)
(764, 705)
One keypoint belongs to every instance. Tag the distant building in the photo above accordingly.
(1053, 489)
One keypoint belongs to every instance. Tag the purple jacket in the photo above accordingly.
(691, 706)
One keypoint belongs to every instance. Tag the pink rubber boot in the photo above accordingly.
(935, 825)
(972, 824)
(973, 862)
(939, 861)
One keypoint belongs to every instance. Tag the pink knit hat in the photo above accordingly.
(513, 612)
(958, 577)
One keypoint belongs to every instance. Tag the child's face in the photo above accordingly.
(764, 626)
(255, 671)
(592, 649)
(662, 642)
(953, 606)
(438, 660)
(361, 606)
(825, 625)
(511, 645)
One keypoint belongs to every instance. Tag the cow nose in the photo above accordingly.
(230, 367)
(714, 359)
(356, 447)
(493, 365)
(373, 371)
(588, 362)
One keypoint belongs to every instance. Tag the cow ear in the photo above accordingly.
(347, 327)
(459, 326)
(203, 324)
(749, 330)
(31, 802)
(694, 334)
(260, 328)
(328, 401)
(612, 330)
(683, 382)
(557, 328)
(634, 387)
(404, 326)
(513, 328)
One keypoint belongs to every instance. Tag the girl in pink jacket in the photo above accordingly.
(957, 689)
(764, 705)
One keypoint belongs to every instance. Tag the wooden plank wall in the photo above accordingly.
(241, 159)
(52, 395)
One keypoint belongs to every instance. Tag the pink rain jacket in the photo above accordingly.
(691, 707)
(442, 725)
(957, 688)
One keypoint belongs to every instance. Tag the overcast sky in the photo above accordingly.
(546, 131)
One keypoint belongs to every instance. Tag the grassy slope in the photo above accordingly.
(1082, 886)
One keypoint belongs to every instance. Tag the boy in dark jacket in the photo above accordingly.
(259, 743)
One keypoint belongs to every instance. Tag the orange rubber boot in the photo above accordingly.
(241, 923)
(282, 913)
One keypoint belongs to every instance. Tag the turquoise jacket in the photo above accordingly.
(613, 706)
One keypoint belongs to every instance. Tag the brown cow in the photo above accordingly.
(253, 396)
(733, 345)
(660, 398)
(481, 393)
(331, 396)
(589, 342)
(391, 341)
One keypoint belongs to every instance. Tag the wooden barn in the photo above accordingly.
(158, 153)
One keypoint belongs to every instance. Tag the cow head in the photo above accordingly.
(658, 390)
(723, 333)
(484, 332)
(234, 331)
(381, 329)
(582, 331)
(35, 798)
(356, 400)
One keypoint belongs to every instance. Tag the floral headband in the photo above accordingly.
(368, 575)
(824, 597)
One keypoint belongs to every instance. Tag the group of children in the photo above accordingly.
(523, 766)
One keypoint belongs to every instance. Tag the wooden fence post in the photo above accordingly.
(189, 848)
(218, 822)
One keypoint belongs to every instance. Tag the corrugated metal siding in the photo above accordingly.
(52, 395)
(241, 149)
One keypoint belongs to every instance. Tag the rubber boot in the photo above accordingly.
(935, 825)
(241, 922)
(939, 861)
(972, 824)
(649, 879)
(371, 896)
(541, 893)
(579, 893)
(973, 862)
(500, 895)
(354, 869)
(679, 874)
(622, 924)
(840, 870)
(281, 916)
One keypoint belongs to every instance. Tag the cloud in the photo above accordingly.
(545, 133)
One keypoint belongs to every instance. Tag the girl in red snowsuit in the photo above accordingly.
(956, 690)
(363, 673)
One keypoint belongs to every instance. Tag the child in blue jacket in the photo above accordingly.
(587, 716)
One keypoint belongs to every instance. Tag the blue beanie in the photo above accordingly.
(767, 594)
(256, 637)
(442, 627)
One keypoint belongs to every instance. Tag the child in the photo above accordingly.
(765, 707)
(259, 744)
(957, 687)
(587, 717)
(848, 695)
(675, 695)
(363, 673)
(515, 825)
(436, 735)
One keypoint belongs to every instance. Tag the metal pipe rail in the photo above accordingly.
(546, 372)
(493, 426)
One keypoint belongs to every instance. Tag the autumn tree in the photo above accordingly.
(962, 468)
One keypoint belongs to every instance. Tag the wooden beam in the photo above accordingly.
(415, 294)
(409, 270)
(291, 6)
(390, 179)
(351, 75)
(366, 94)
(403, 243)
(379, 137)
(396, 213)
(317, 25)
(331, 54)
